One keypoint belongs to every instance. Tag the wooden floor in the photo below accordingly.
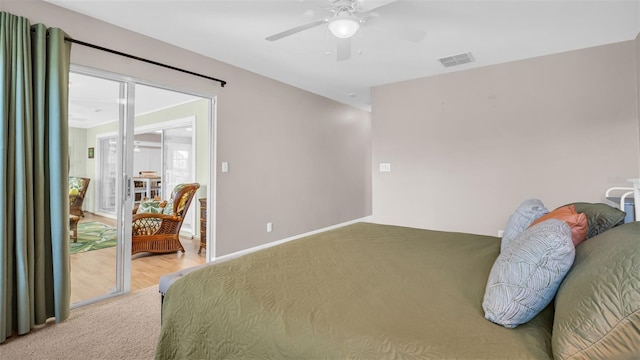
(93, 273)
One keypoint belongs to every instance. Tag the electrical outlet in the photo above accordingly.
(500, 233)
(269, 227)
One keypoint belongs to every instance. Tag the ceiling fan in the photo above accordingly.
(345, 22)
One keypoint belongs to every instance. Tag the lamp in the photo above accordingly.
(344, 26)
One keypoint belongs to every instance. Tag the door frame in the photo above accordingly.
(172, 124)
(124, 183)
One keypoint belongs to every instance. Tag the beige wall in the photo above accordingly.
(296, 159)
(467, 147)
(78, 153)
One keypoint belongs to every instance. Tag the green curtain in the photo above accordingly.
(34, 204)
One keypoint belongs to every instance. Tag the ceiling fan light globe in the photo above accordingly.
(344, 28)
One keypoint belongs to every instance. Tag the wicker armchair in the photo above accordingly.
(160, 232)
(77, 189)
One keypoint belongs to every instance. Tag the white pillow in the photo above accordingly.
(526, 275)
(528, 212)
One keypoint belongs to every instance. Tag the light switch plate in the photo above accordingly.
(385, 167)
(225, 167)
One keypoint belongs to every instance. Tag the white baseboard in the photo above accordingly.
(282, 241)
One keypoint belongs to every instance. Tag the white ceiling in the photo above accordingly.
(94, 101)
(493, 31)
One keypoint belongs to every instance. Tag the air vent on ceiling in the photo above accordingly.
(455, 60)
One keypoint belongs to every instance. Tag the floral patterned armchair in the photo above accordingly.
(156, 228)
(77, 190)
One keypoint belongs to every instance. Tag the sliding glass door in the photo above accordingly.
(129, 154)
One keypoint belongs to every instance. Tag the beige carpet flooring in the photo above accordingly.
(125, 327)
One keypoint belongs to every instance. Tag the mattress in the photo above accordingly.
(364, 291)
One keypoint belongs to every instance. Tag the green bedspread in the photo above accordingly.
(364, 291)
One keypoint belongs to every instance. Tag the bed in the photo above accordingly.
(370, 291)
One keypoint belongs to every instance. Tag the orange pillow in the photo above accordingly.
(576, 221)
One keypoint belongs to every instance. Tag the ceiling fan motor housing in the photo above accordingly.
(344, 6)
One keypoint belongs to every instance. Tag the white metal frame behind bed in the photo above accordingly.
(636, 196)
(629, 191)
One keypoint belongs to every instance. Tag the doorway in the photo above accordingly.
(100, 150)
(166, 152)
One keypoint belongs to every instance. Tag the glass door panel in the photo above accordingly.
(97, 110)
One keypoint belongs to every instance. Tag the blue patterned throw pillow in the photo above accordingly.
(526, 275)
(528, 212)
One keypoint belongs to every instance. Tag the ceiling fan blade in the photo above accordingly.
(374, 11)
(297, 29)
(344, 49)
(398, 28)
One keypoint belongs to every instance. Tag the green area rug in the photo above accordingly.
(93, 236)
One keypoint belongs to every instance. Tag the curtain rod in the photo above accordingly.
(222, 82)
